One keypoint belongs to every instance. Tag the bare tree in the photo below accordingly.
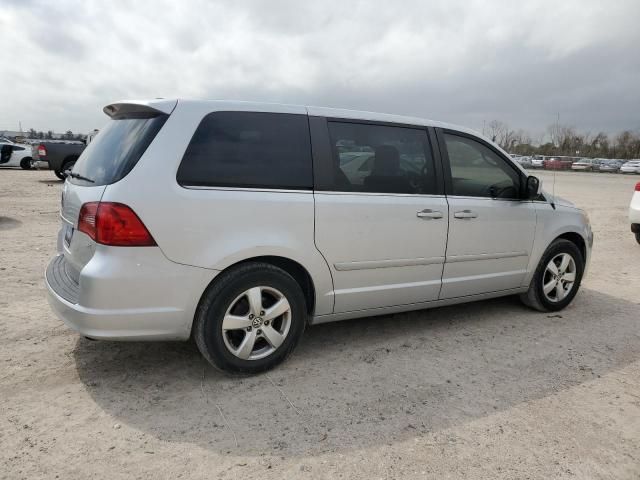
(495, 130)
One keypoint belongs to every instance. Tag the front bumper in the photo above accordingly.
(127, 294)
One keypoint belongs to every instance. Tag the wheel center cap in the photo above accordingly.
(256, 322)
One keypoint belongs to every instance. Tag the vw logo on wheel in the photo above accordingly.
(256, 322)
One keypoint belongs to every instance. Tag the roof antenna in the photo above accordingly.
(553, 188)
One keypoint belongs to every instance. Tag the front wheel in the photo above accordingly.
(556, 279)
(638, 237)
(250, 319)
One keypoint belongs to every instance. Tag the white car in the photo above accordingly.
(585, 164)
(634, 212)
(525, 162)
(15, 155)
(632, 166)
(537, 162)
(238, 224)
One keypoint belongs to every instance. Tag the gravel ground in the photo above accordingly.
(483, 390)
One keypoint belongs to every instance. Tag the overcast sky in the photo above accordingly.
(464, 61)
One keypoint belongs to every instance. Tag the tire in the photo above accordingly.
(68, 165)
(229, 297)
(25, 163)
(535, 297)
(638, 237)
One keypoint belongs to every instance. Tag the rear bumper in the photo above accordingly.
(128, 294)
(40, 164)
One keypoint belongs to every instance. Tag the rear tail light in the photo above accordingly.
(113, 224)
(42, 151)
(638, 187)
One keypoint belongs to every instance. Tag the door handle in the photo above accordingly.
(429, 214)
(465, 214)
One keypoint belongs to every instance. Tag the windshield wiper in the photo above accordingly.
(79, 177)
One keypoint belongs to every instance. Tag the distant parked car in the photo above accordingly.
(586, 164)
(632, 166)
(537, 162)
(634, 212)
(610, 166)
(525, 162)
(557, 164)
(56, 155)
(14, 155)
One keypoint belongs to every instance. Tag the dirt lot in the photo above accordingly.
(486, 390)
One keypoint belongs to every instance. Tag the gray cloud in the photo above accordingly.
(458, 61)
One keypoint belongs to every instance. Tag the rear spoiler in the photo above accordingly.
(139, 108)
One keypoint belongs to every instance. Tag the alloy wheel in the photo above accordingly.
(256, 323)
(559, 277)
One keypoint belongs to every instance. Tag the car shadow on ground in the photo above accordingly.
(51, 180)
(7, 223)
(364, 382)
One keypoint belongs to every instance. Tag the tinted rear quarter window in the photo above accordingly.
(116, 149)
(249, 149)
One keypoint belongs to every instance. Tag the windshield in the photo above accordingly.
(115, 150)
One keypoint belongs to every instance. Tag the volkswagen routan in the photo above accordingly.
(238, 224)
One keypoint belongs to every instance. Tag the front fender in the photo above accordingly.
(553, 223)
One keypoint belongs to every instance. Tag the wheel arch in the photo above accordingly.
(575, 238)
(69, 158)
(299, 273)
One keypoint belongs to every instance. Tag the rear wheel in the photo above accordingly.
(638, 237)
(556, 279)
(250, 319)
(25, 163)
(68, 165)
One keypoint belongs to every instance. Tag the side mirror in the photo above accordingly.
(533, 187)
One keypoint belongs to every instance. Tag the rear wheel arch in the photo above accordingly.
(293, 268)
(70, 158)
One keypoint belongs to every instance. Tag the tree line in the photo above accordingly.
(68, 135)
(565, 140)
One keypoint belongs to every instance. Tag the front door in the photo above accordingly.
(491, 230)
(381, 217)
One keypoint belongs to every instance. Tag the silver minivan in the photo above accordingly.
(238, 224)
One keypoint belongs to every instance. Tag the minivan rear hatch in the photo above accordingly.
(111, 155)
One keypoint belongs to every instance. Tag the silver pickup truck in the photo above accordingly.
(58, 156)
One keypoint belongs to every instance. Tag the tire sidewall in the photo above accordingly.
(218, 299)
(556, 248)
(68, 165)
